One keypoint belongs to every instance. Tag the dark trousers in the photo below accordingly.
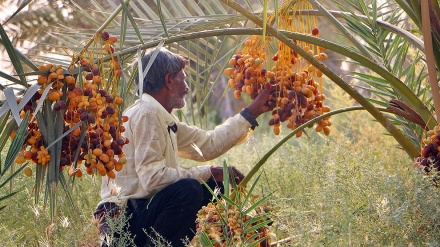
(171, 213)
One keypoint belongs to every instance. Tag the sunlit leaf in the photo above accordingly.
(40, 103)
(226, 179)
(16, 144)
(162, 18)
(11, 176)
(11, 102)
(7, 128)
(9, 78)
(204, 240)
(20, 8)
(15, 60)
(60, 137)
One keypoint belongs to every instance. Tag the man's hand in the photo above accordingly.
(260, 104)
(234, 173)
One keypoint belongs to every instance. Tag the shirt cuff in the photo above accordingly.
(201, 172)
(249, 117)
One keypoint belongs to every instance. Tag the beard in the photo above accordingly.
(177, 101)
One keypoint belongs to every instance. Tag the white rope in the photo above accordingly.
(143, 73)
(140, 72)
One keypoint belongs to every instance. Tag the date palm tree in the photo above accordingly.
(388, 52)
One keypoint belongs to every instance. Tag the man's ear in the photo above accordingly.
(168, 80)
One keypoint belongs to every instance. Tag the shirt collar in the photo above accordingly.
(169, 118)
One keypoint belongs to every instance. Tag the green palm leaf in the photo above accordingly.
(395, 54)
(14, 148)
(15, 60)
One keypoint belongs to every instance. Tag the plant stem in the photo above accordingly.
(430, 60)
(266, 156)
(104, 25)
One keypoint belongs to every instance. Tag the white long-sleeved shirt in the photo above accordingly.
(153, 150)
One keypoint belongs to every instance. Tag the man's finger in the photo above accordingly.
(238, 173)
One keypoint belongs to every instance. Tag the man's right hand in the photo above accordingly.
(234, 173)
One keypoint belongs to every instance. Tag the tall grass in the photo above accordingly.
(350, 189)
(338, 195)
(25, 223)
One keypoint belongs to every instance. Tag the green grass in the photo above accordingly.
(351, 189)
(332, 195)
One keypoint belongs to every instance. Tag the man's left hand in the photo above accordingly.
(234, 173)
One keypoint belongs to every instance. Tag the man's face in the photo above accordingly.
(179, 91)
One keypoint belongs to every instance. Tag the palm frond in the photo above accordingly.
(23, 5)
(394, 52)
(15, 60)
(15, 147)
(164, 19)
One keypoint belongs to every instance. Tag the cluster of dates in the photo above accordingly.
(297, 94)
(231, 226)
(296, 85)
(97, 142)
(429, 161)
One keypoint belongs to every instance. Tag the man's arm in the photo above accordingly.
(200, 145)
(216, 142)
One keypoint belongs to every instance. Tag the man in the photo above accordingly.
(159, 195)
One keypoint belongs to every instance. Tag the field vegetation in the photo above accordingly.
(353, 184)
(353, 188)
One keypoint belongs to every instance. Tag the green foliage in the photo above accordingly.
(353, 187)
(322, 185)
(236, 203)
(393, 52)
(118, 228)
(342, 192)
(357, 195)
(158, 240)
(8, 166)
(26, 223)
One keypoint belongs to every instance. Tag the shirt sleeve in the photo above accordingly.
(200, 145)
